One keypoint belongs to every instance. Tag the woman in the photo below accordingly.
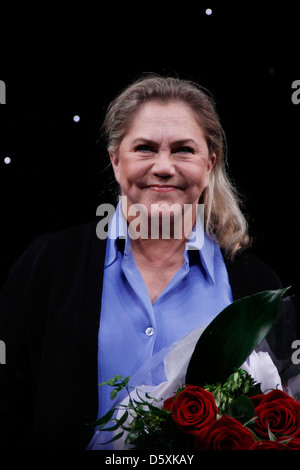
(76, 309)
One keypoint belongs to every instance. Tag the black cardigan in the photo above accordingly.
(49, 319)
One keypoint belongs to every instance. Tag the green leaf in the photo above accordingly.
(113, 381)
(231, 337)
(158, 411)
(272, 436)
(251, 422)
(104, 419)
(113, 393)
(114, 438)
(286, 441)
(241, 409)
(118, 423)
(126, 380)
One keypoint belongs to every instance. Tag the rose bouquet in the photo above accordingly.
(221, 406)
(234, 415)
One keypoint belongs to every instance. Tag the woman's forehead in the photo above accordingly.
(172, 117)
(164, 110)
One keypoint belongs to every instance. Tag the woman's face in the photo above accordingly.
(163, 158)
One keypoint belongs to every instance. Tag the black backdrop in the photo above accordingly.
(60, 64)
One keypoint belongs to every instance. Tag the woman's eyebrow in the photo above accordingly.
(144, 140)
(176, 142)
(184, 142)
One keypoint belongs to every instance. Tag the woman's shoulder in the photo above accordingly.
(66, 239)
(253, 262)
(249, 274)
(66, 248)
(74, 233)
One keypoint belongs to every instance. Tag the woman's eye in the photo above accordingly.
(144, 148)
(185, 149)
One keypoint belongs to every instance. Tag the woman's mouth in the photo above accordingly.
(162, 188)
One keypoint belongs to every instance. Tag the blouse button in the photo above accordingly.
(149, 331)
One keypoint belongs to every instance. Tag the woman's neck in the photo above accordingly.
(158, 253)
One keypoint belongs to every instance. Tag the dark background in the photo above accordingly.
(60, 64)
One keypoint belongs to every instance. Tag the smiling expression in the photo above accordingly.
(163, 158)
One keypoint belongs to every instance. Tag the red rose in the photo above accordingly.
(225, 434)
(283, 444)
(294, 443)
(192, 409)
(278, 412)
(269, 445)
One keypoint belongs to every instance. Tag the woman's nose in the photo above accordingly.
(164, 165)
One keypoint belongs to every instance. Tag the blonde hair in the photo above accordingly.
(224, 220)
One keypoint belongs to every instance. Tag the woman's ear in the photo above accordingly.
(211, 162)
(114, 158)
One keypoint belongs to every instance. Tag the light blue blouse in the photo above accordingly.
(132, 329)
